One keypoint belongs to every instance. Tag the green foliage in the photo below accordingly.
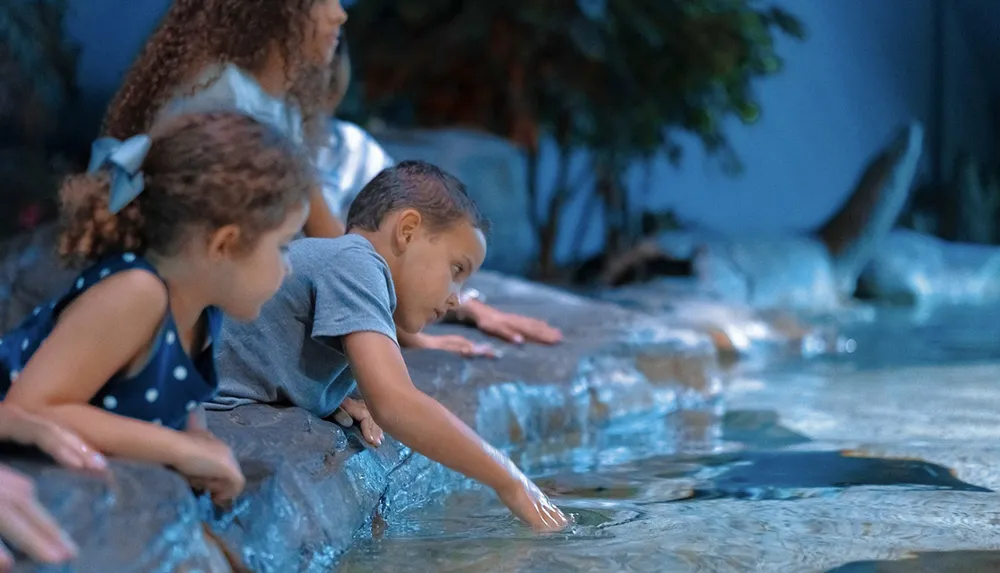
(619, 78)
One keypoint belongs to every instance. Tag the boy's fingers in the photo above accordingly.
(477, 350)
(538, 331)
(343, 418)
(507, 333)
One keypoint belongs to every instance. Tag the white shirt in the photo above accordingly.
(348, 160)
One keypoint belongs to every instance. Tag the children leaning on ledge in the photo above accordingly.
(414, 238)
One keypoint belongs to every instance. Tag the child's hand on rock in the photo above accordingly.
(513, 328)
(64, 446)
(356, 412)
(209, 464)
(25, 524)
(449, 343)
(457, 345)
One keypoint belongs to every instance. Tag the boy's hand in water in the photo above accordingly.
(356, 412)
(512, 328)
(209, 464)
(25, 524)
(450, 343)
(533, 507)
(524, 499)
(64, 446)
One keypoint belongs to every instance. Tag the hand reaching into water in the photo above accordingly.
(24, 522)
(533, 507)
(356, 412)
(524, 499)
(209, 464)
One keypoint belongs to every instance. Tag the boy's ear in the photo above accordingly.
(224, 242)
(407, 226)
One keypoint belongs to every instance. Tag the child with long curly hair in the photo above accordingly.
(179, 227)
(269, 59)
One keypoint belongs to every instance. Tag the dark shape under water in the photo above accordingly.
(760, 429)
(936, 562)
(776, 475)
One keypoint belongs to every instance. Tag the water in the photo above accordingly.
(882, 460)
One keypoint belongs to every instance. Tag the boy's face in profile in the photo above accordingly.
(432, 270)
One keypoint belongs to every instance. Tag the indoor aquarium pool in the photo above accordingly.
(884, 459)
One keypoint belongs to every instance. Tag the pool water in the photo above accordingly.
(885, 459)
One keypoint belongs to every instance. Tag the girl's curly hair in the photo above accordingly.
(195, 34)
(203, 171)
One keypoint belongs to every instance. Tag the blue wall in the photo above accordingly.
(111, 32)
(865, 70)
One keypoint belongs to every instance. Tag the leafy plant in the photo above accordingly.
(37, 84)
(617, 79)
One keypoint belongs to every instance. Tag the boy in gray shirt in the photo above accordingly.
(294, 354)
(414, 238)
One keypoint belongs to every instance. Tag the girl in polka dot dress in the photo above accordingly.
(178, 227)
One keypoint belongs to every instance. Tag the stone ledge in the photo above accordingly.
(137, 519)
(312, 487)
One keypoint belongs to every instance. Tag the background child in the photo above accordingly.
(347, 160)
(24, 522)
(414, 238)
(267, 58)
(193, 228)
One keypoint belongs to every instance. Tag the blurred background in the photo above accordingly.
(602, 135)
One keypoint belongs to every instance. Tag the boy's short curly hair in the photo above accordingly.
(438, 196)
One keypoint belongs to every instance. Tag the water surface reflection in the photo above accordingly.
(881, 461)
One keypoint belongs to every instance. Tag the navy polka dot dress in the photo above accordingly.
(168, 387)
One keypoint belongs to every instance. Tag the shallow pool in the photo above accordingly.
(885, 459)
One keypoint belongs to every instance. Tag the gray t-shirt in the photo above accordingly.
(292, 354)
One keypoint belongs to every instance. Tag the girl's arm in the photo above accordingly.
(426, 426)
(322, 223)
(100, 334)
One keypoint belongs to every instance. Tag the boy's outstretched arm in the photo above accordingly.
(427, 427)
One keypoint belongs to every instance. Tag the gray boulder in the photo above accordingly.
(914, 268)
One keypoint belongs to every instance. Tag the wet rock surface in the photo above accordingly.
(914, 268)
(931, 562)
(859, 463)
(136, 519)
(736, 329)
(310, 486)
